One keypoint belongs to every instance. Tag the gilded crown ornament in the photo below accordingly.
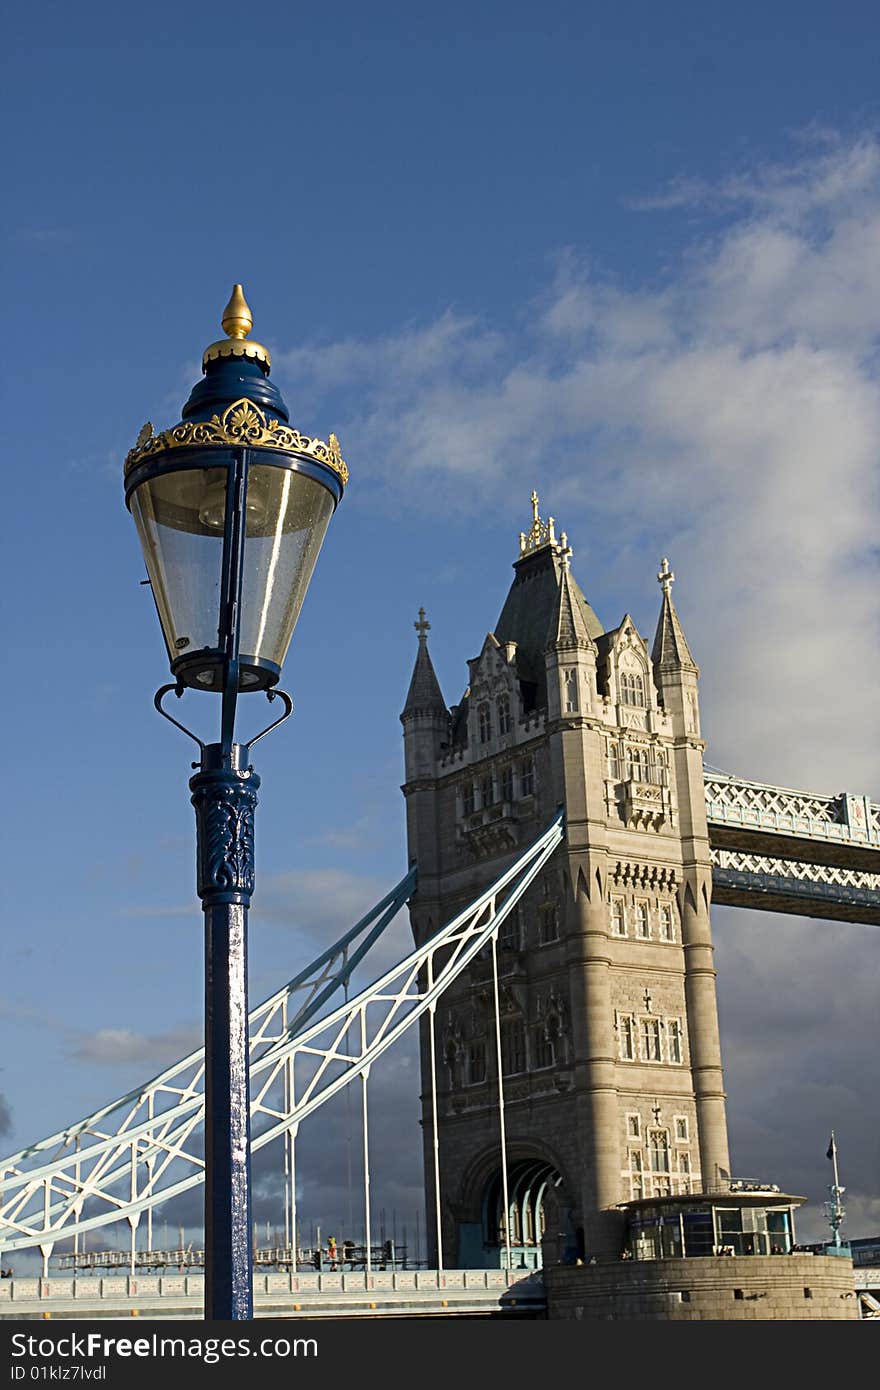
(540, 532)
(241, 423)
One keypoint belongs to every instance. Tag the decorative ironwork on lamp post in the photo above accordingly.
(231, 507)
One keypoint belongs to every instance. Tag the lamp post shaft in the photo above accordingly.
(235, 471)
(225, 799)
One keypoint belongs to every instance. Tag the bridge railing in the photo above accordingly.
(737, 802)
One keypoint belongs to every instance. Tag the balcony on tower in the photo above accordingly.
(643, 804)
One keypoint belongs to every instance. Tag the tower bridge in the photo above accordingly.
(566, 841)
(783, 850)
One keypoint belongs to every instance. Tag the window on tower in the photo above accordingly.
(636, 1180)
(673, 1034)
(543, 1049)
(642, 924)
(504, 714)
(632, 689)
(627, 1037)
(487, 790)
(548, 922)
(684, 1168)
(618, 920)
(508, 933)
(571, 690)
(477, 1062)
(507, 783)
(667, 927)
(484, 722)
(468, 803)
(651, 1040)
(513, 1046)
(527, 777)
(658, 1149)
(640, 764)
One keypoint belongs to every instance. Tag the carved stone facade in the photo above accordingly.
(608, 1025)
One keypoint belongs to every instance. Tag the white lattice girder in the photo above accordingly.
(795, 868)
(155, 1125)
(755, 805)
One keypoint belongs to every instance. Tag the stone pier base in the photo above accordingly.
(714, 1288)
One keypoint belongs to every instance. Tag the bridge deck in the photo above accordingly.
(422, 1293)
(802, 897)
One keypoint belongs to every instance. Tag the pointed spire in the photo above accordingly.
(424, 695)
(670, 644)
(568, 628)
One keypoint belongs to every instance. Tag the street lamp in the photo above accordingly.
(231, 507)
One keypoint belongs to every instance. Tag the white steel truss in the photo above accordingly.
(755, 805)
(803, 870)
(146, 1147)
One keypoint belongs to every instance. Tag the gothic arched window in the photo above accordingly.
(658, 1147)
(651, 1040)
(507, 782)
(477, 1062)
(548, 922)
(513, 1046)
(640, 764)
(626, 1034)
(632, 689)
(504, 714)
(571, 690)
(484, 723)
(526, 777)
(544, 1050)
(618, 920)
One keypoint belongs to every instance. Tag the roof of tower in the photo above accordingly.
(568, 622)
(536, 599)
(424, 695)
(670, 644)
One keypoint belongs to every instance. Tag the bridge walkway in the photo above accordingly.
(418, 1293)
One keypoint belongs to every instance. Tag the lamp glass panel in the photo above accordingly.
(287, 518)
(180, 517)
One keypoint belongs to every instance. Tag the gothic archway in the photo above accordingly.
(529, 1183)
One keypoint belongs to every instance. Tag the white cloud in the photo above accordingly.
(120, 1047)
(729, 417)
(180, 910)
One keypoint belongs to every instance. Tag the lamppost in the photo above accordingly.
(231, 507)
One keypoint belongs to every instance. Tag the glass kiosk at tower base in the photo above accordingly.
(747, 1218)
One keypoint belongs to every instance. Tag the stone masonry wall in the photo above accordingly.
(716, 1288)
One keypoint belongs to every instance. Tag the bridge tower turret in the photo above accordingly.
(606, 992)
(676, 675)
(425, 721)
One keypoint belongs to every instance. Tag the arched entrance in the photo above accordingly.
(530, 1182)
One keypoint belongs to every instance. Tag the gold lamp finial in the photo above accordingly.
(237, 323)
(237, 320)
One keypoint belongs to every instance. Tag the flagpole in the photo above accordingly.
(834, 1209)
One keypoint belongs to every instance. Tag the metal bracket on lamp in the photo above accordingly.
(179, 689)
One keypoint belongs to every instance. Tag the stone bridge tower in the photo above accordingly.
(609, 1032)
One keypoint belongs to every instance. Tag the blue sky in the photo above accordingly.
(627, 255)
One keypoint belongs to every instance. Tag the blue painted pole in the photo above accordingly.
(225, 799)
